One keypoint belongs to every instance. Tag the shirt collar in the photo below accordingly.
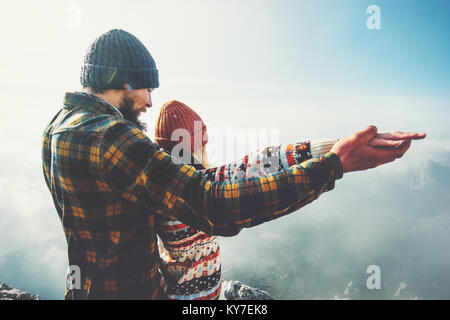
(90, 102)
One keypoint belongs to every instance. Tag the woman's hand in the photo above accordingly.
(394, 139)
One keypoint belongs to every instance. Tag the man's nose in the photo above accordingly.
(149, 100)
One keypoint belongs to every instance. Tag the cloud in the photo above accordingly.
(33, 251)
(430, 174)
(370, 218)
(397, 215)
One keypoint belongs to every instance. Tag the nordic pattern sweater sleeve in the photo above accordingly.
(136, 170)
(270, 160)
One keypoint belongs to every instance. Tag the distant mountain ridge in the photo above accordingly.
(430, 173)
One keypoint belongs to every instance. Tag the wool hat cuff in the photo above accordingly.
(108, 77)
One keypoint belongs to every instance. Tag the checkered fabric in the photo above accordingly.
(108, 181)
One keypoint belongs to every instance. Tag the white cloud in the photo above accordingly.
(329, 239)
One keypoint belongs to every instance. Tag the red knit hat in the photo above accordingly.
(176, 115)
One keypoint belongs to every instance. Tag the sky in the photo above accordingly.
(286, 70)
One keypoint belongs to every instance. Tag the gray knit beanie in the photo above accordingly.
(115, 58)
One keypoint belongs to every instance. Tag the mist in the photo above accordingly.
(307, 69)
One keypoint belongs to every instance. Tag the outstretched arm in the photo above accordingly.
(269, 160)
(135, 169)
(277, 158)
(139, 172)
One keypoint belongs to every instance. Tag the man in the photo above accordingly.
(108, 180)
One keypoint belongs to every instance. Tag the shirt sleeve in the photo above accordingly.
(136, 170)
(269, 160)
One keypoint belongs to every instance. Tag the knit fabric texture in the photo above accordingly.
(322, 146)
(175, 115)
(115, 58)
(190, 260)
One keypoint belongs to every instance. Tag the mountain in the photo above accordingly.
(8, 293)
(236, 290)
(231, 290)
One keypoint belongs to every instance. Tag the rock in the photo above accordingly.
(8, 293)
(236, 290)
(231, 290)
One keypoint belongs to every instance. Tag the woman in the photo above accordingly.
(190, 259)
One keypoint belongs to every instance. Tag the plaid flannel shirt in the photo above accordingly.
(108, 181)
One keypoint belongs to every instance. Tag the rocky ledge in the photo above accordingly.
(8, 293)
(236, 290)
(231, 290)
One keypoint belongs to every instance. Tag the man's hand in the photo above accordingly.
(366, 149)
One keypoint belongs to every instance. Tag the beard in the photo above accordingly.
(126, 108)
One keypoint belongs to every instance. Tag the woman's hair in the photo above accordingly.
(201, 155)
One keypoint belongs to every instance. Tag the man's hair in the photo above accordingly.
(96, 90)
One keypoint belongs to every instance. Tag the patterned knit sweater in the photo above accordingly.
(190, 259)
